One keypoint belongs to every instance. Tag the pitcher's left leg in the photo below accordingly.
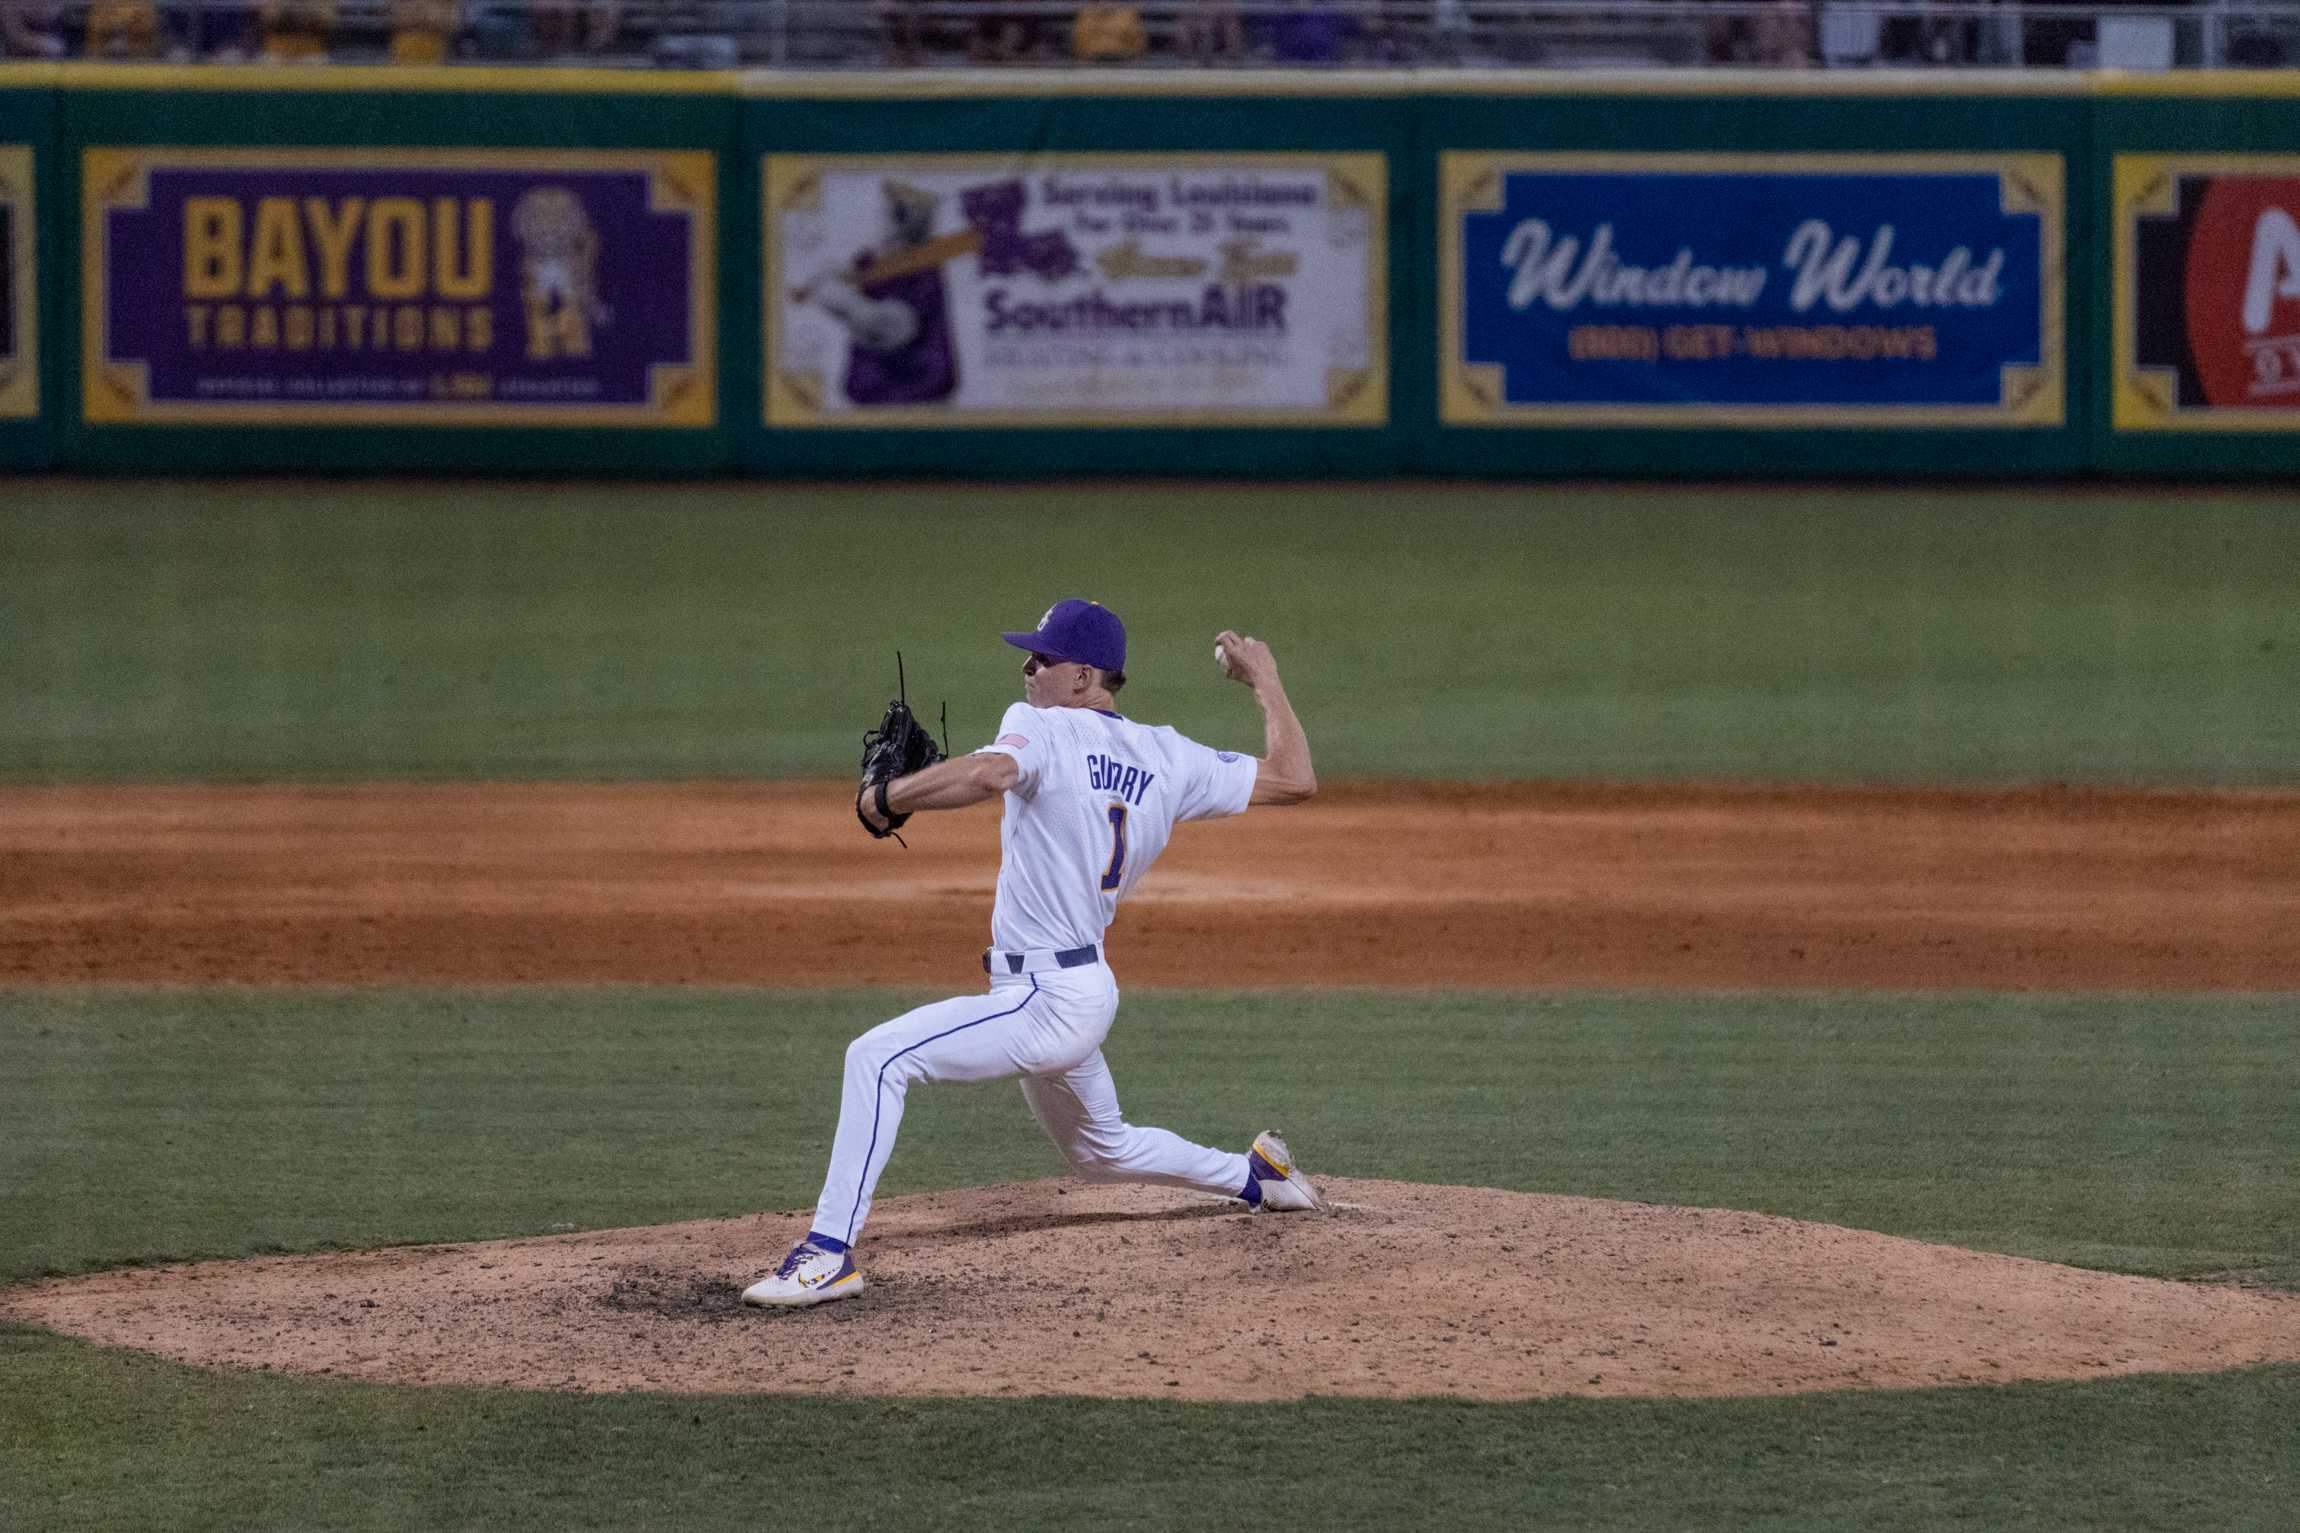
(1078, 1108)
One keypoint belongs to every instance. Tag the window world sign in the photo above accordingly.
(1752, 290)
(399, 286)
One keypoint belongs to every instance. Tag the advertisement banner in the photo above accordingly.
(19, 333)
(1076, 290)
(446, 287)
(1736, 290)
(2207, 292)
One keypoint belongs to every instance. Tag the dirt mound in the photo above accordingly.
(1517, 886)
(1062, 1288)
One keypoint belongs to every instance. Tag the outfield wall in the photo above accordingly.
(1324, 275)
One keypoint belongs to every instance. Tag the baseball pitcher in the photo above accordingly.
(1091, 799)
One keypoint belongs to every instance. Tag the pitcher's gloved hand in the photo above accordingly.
(898, 747)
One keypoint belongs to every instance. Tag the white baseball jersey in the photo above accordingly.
(1097, 800)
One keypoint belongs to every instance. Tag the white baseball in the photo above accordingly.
(1220, 659)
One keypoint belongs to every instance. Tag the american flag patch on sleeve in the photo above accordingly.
(1017, 741)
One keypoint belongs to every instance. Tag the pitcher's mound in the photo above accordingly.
(1060, 1288)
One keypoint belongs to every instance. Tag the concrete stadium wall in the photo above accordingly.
(257, 269)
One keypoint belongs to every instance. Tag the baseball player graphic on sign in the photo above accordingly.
(1091, 799)
(895, 305)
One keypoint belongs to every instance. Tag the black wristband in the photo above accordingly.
(885, 813)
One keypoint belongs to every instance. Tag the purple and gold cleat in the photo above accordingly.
(809, 1275)
(1284, 1189)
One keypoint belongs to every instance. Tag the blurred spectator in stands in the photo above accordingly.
(902, 32)
(1784, 34)
(1728, 38)
(1775, 33)
(2263, 42)
(1308, 32)
(1451, 37)
(1107, 33)
(223, 30)
(2046, 40)
(296, 31)
(1385, 35)
(564, 27)
(33, 29)
(1209, 32)
(1996, 38)
(423, 31)
(498, 34)
(123, 29)
(1003, 37)
(1919, 39)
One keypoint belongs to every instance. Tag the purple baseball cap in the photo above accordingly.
(1082, 631)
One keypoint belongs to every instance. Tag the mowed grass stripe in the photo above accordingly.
(2158, 1134)
(166, 631)
(91, 1439)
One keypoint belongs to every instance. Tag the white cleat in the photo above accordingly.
(809, 1275)
(1284, 1189)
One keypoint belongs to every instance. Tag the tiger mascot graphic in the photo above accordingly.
(558, 273)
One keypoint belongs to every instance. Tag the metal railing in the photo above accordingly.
(1048, 34)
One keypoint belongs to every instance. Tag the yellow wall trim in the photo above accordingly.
(938, 84)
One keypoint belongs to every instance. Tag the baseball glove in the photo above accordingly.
(898, 747)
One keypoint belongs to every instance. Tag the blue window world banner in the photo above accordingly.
(1752, 290)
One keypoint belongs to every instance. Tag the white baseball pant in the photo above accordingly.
(1047, 1028)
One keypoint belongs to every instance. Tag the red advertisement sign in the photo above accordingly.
(2242, 295)
(2211, 291)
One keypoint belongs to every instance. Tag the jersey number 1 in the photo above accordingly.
(1111, 874)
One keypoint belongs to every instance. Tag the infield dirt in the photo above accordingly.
(1053, 1288)
(1531, 886)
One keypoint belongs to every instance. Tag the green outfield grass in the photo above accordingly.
(165, 631)
(101, 1440)
(172, 631)
(2150, 1134)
